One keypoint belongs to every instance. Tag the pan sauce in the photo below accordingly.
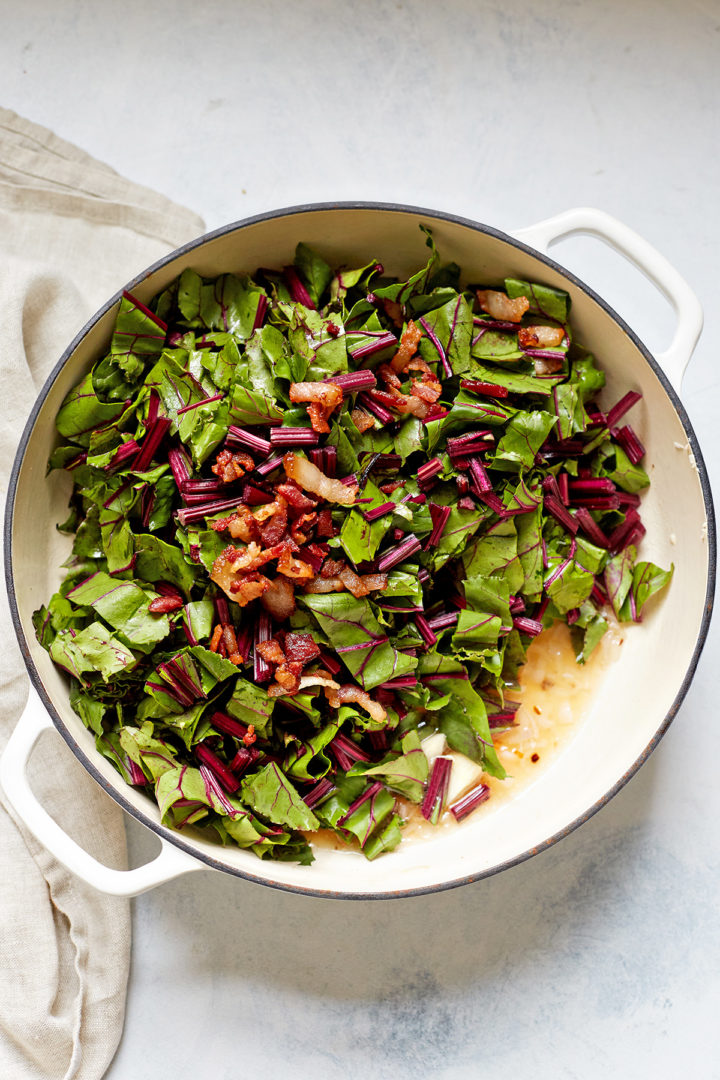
(555, 693)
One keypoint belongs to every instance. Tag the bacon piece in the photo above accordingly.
(362, 420)
(235, 571)
(500, 306)
(426, 391)
(545, 365)
(295, 497)
(353, 583)
(274, 528)
(247, 587)
(231, 645)
(279, 599)
(231, 466)
(324, 397)
(325, 525)
(335, 583)
(310, 478)
(328, 394)
(388, 376)
(331, 567)
(301, 648)
(271, 651)
(349, 693)
(325, 585)
(407, 348)
(292, 567)
(534, 337)
(374, 582)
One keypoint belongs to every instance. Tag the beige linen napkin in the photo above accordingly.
(72, 231)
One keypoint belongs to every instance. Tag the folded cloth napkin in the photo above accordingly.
(72, 232)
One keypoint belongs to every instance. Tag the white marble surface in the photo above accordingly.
(601, 956)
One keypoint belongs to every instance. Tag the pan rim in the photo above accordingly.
(173, 837)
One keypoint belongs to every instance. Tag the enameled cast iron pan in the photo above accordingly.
(641, 691)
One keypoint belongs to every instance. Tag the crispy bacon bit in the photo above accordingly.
(353, 583)
(231, 645)
(310, 478)
(273, 530)
(407, 348)
(215, 639)
(248, 587)
(323, 397)
(279, 599)
(242, 525)
(362, 420)
(500, 306)
(328, 394)
(370, 582)
(350, 693)
(295, 497)
(249, 737)
(374, 582)
(229, 466)
(534, 337)
(271, 651)
(301, 648)
(427, 391)
(331, 567)
(325, 525)
(235, 572)
(288, 669)
(388, 376)
(547, 365)
(292, 567)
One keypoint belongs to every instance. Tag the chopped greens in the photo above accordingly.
(319, 515)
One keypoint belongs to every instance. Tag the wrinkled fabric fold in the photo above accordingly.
(72, 232)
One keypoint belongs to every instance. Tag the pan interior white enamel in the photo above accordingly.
(637, 692)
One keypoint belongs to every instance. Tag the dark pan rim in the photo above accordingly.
(171, 836)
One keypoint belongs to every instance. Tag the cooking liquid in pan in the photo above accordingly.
(555, 692)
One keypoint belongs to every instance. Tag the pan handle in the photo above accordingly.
(169, 864)
(647, 259)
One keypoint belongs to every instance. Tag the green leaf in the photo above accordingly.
(248, 407)
(648, 579)
(271, 794)
(92, 649)
(613, 462)
(523, 437)
(250, 704)
(465, 725)
(82, 412)
(314, 271)
(406, 772)
(357, 636)
(619, 577)
(452, 326)
(125, 606)
(158, 561)
(544, 300)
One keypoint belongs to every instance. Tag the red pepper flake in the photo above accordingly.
(332, 329)
(535, 757)
(249, 737)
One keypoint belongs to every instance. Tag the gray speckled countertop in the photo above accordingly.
(601, 956)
